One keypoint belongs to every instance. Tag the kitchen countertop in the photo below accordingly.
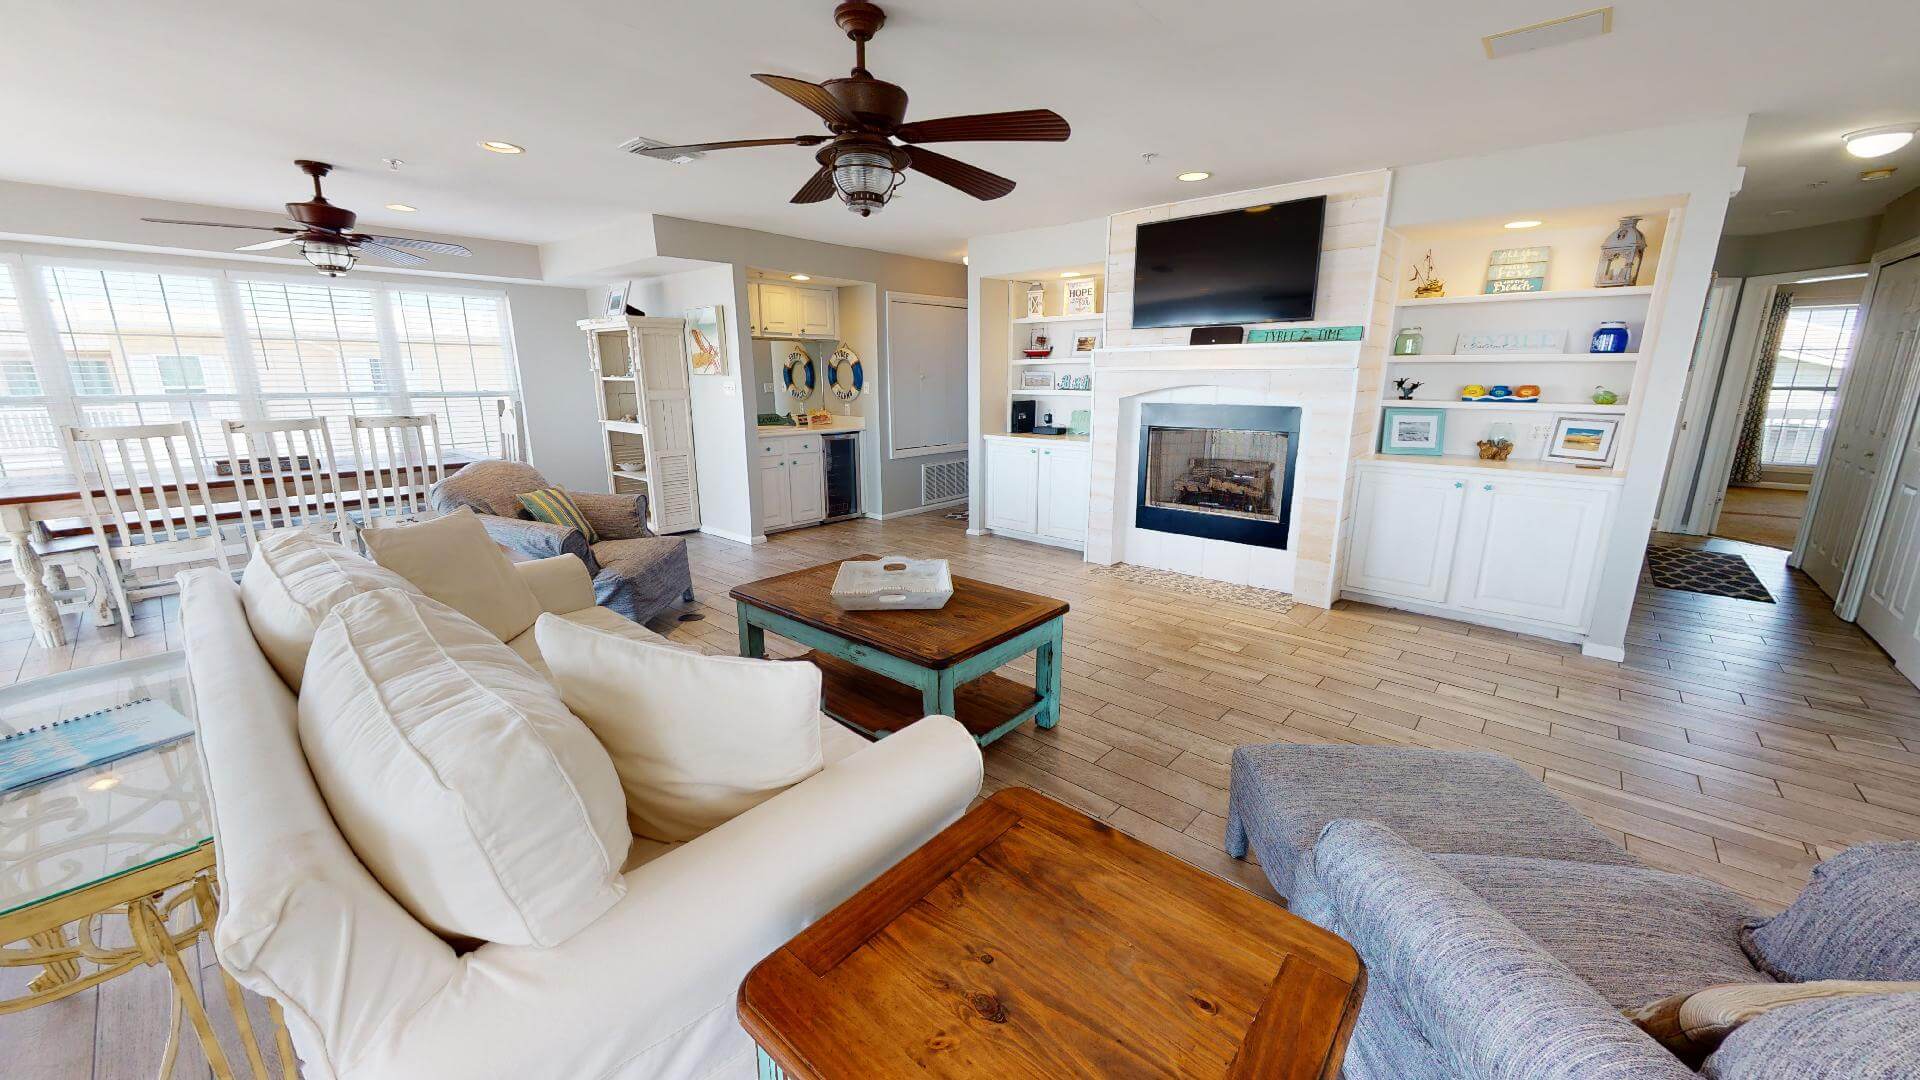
(840, 423)
(1031, 435)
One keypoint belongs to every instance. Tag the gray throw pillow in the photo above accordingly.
(1859, 918)
(1861, 1038)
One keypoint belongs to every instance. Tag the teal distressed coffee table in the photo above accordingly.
(883, 670)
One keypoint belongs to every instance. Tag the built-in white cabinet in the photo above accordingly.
(639, 369)
(792, 482)
(778, 310)
(1519, 550)
(1036, 489)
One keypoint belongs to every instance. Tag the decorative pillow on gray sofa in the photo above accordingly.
(1861, 1038)
(1859, 918)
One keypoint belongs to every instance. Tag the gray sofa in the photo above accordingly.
(635, 572)
(1503, 933)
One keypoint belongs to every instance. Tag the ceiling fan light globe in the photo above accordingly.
(329, 257)
(865, 180)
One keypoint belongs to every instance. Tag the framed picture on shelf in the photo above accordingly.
(1527, 341)
(1080, 293)
(1085, 341)
(706, 345)
(616, 299)
(1421, 432)
(1583, 440)
(1036, 380)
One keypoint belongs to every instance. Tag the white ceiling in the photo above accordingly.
(210, 102)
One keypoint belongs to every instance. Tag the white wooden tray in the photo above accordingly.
(892, 582)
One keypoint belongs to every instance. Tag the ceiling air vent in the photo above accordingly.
(641, 142)
(1545, 35)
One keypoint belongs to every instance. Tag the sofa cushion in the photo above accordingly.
(290, 585)
(1596, 920)
(695, 739)
(453, 560)
(1694, 1023)
(488, 487)
(1859, 1038)
(458, 776)
(555, 507)
(527, 642)
(1859, 918)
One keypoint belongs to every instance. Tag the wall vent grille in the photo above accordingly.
(945, 482)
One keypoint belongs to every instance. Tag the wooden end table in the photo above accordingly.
(872, 662)
(1029, 940)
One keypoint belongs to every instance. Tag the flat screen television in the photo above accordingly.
(1255, 265)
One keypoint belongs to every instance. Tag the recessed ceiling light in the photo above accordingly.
(1878, 141)
(1193, 177)
(1878, 174)
(963, 260)
(1782, 212)
(403, 208)
(798, 277)
(1523, 223)
(103, 783)
(1069, 273)
(499, 147)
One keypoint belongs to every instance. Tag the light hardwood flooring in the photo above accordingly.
(1766, 516)
(1739, 741)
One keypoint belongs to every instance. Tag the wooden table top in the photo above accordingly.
(979, 616)
(61, 487)
(1028, 939)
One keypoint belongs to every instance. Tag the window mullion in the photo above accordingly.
(233, 324)
(43, 344)
(399, 399)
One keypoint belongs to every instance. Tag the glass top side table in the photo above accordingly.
(128, 842)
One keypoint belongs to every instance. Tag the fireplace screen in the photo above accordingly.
(1218, 471)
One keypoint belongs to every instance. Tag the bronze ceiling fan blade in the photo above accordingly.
(435, 246)
(814, 97)
(1022, 125)
(222, 225)
(268, 245)
(818, 186)
(971, 179)
(387, 254)
(668, 153)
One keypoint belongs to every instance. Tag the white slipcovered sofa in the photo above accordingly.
(647, 990)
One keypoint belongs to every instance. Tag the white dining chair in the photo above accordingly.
(507, 420)
(285, 477)
(396, 462)
(151, 508)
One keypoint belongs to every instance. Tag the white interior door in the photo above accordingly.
(1868, 411)
(1890, 599)
(926, 375)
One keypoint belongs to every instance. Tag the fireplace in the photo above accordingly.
(1220, 471)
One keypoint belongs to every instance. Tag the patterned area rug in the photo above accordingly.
(1225, 592)
(1715, 573)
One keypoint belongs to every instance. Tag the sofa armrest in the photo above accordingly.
(561, 583)
(1488, 999)
(662, 968)
(534, 539)
(613, 517)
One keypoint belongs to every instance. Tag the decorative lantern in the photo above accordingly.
(1620, 255)
(1036, 300)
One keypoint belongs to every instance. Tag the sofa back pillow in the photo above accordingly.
(458, 776)
(697, 740)
(1859, 918)
(452, 559)
(290, 586)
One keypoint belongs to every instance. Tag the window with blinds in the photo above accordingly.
(1814, 345)
(130, 345)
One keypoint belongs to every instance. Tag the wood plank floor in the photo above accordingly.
(1739, 741)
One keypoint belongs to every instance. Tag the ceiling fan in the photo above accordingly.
(860, 160)
(325, 235)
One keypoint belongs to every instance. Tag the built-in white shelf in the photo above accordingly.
(1511, 406)
(1051, 393)
(627, 426)
(1517, 358)
(1030, 320)
(1511, 465)
(1511, 298)
(617, 378)
(1046, 360)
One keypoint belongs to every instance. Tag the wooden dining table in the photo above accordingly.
(28, 502)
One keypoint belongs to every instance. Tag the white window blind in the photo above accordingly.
(456, 363)
(316, 350)
(1806, 382)
(29, 440)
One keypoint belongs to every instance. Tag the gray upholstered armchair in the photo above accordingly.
(634, 572)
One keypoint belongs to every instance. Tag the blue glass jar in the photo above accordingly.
(1610, 338)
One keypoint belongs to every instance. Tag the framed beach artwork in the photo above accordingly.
(706, 344)
(1036, 380)
(1085, 341)
(1420, 432)
(1583, 440)
(617, 299)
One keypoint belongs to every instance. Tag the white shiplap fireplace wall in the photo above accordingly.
(1333, 384)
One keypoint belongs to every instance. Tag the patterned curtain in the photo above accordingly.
(1753, 426)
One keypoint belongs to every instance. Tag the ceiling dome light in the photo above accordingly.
(1193, 177)
(798, 277)
(499, 147)
(1069, 273)
(402, 208)
(1523, 223)
(330, 257)
(1878, 141)
(866, 177)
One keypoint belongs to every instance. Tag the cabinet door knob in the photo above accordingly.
(1459, 483)
(1486, 487)
(1033, 451)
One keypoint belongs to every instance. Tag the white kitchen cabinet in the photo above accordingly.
(792, 482)
(1404, 525)
(806, 480)
(776, 495)
(1505, 548)
(1062, 511)
(1013, 485)
(778, 310)
(1528, 548)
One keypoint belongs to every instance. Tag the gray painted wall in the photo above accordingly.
(1900, 221)
(1837, 243)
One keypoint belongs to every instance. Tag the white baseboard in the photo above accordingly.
(1477, 618)
(728, 534)
(1615, 653)
(927, 509)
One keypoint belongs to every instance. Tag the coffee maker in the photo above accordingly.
(1023, 410)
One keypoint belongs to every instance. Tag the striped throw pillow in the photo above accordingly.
(555, 507)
